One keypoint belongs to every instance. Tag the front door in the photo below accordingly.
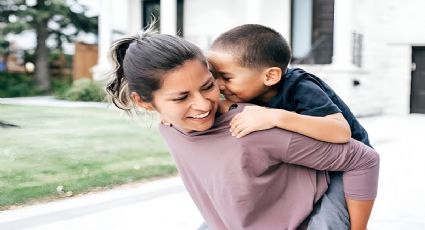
(417, 94)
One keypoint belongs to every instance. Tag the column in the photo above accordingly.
(342, 33)
(168, 17)
(134, 16)
(104, 41)
(341, 73)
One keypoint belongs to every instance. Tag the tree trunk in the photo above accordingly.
(5, 57)
(42, 75)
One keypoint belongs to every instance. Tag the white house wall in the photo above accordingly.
(390, 28)
(204, 20)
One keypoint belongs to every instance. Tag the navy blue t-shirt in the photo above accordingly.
(307, 94)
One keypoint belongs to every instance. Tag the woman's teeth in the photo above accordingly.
(201, 115)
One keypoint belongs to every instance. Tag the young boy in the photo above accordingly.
(250, 64)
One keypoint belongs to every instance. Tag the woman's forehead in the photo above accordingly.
(191, 75)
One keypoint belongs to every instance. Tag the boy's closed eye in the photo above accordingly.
(222, 76)
(225, 77)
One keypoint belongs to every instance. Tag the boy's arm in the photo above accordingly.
(316, 116)
(332, 128)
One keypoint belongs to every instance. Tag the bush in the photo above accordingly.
(16, 85)
(83, 90)
(60, 86)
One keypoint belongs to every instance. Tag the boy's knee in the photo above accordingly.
(329, 216)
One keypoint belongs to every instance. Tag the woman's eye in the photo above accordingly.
(179, 99)
(210, 86)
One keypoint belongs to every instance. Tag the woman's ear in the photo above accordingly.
(273, 75)
(140, 103)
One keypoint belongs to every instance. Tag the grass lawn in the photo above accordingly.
(80, 149)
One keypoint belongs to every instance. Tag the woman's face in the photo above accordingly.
(188, 98)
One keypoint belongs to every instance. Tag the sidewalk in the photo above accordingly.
(50, 101)
(400, 142)
(164, 204)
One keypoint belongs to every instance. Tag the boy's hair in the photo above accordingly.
(256, 46)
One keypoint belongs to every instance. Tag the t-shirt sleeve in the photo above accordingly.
(310, 99)
(359, 163)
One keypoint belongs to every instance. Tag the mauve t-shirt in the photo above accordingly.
(268, 179)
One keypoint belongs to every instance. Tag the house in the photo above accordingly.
(372, 52)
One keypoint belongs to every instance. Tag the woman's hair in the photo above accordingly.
(141, 61)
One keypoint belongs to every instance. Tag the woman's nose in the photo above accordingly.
(200, 102)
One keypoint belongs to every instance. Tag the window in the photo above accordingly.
(312, 31)
(151, 8)
(357, 49)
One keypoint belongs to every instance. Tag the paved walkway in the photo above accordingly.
(164, 204)
(50, 101)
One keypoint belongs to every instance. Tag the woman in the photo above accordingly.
(271, 179)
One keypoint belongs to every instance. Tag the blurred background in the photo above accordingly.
(371, 52)
(59, 138)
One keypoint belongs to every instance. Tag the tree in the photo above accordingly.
(4, 51)
(61, 20)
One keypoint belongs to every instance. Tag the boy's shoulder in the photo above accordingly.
(304, 93)
(293, 76)
(296, 79)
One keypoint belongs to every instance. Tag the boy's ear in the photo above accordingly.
(140, 103)
(273, 75)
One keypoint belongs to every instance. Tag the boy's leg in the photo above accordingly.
(331, 211)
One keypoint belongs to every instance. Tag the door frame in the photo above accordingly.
(412, 107)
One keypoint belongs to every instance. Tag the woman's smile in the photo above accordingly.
(201, 116)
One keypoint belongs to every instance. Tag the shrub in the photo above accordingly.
(83, 90)
(16, 85)
(60, 86)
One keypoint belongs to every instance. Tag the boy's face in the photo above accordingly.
(236, 83)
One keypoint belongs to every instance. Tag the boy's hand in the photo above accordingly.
(252, 118)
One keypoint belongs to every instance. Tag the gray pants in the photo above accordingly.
(330, 212)
(204, 226)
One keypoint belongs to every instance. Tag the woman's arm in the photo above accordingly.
(359, 163)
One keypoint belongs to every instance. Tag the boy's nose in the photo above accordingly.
(220, 84)
(201, 103)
